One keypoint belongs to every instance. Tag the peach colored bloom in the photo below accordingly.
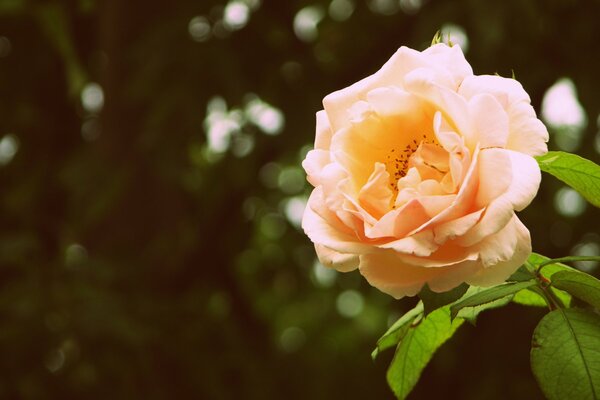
(418, 170)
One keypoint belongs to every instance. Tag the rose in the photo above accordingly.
(418, 171)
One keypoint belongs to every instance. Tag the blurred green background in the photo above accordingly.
(151, 194)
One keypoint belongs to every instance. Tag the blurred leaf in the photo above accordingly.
(581, 174)
(488, 295)
(580, 285)
(417, 348)
(471, 313)
(11, 6)
(564, 355)
(433, 301)
(397, 331)
(53, 20)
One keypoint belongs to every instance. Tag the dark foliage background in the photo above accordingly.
(138, 259)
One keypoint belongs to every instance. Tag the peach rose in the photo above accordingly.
(418, 171)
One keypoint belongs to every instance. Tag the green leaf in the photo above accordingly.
(581, 285)
(528, 297)
(471, 313)
(488, 295)
(549, 266)
(432, 300)
(535, 298)
(581, 174)
(417, 348)
(521, 275)
(565, 356)
(397, 331)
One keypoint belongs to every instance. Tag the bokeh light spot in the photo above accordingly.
(92, 98)
(55, 360)
(269, 175)
(294, 210)
(589, 246)
(9, 145)
(306, 23)
(5, 46)
(323, 276)
(242, 145)
(569, 203)
(384, 7)
(349, 303)
(456, 35)
(291, 180)
(292, 339)
(411, 6)
(199, 29)
(75, 255)
(564, 114)
(341, 10)
(267, 118)
(272, 226)
(236, 15)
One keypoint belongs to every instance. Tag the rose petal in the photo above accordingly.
(463, 200)
(502, 245)
(523, 187)
(499, 272)
(453, 107)
(314, 163)
(505, 90)
(490, 122)
(495, 175)
(376, 196)
(527, 133)
(337, 103)
(457, 227)
(342, 262)
(397, 223)
(451, 59)
(323, 131)
(391, 275)
(323, 232)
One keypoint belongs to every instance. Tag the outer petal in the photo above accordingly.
(501, 246)
(527, 133)
(328, 232)
(343, 262)
(457, 227)
(314, 163)
(523, 187)
(499, 272)
(391, 275)
(490, 122)
(323, 131)
(391, 74)
(452, 59)
(495, 176)
(506, 91)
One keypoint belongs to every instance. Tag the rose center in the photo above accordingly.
(397, 161)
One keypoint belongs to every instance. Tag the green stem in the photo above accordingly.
(567, 259)
(545, 290)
